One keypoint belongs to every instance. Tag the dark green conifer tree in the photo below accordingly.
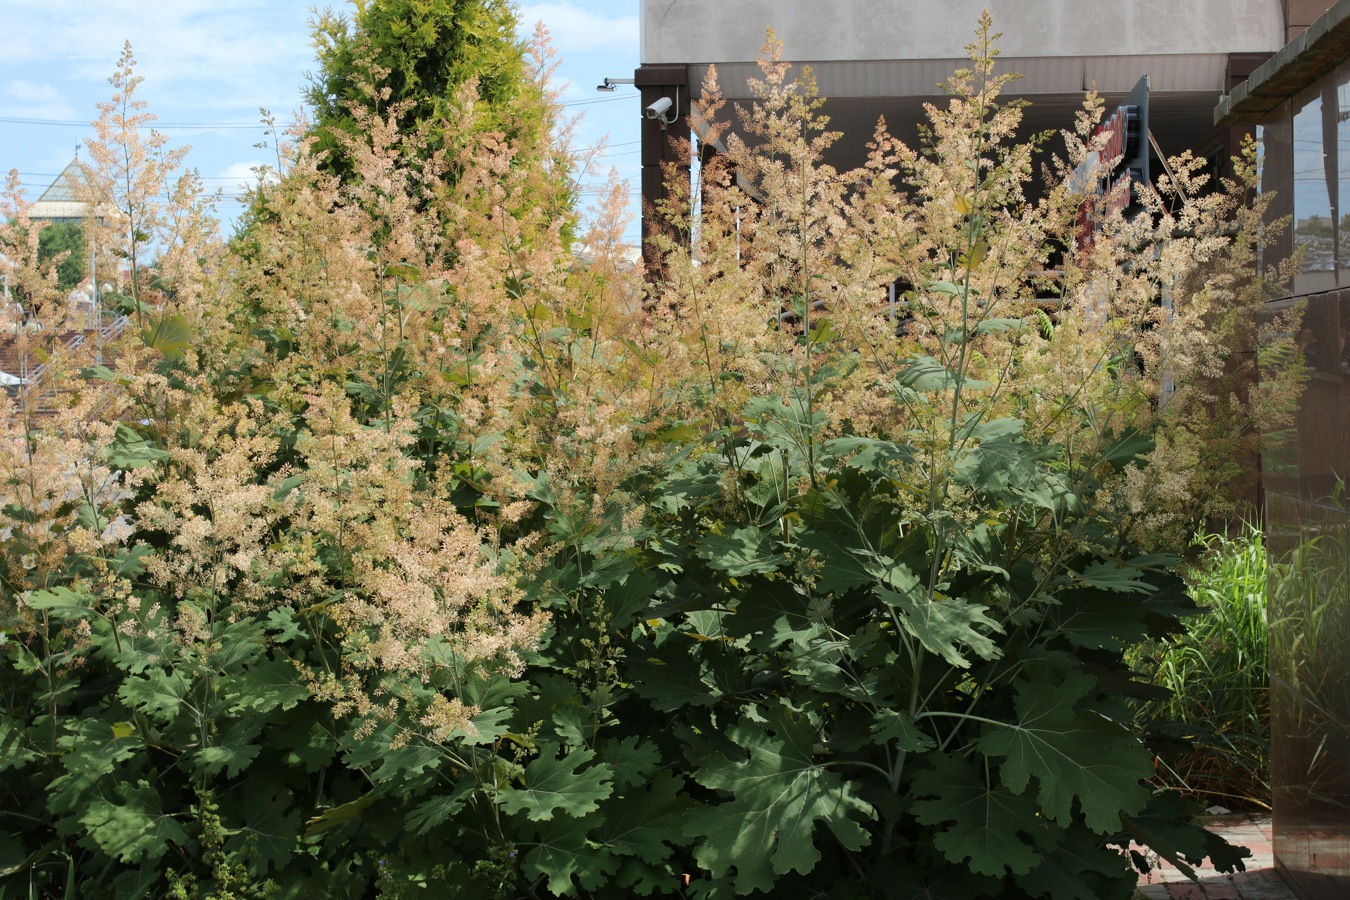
(420, 52)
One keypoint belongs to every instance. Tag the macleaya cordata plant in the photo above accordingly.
(400, 551)
(253, 552)
(862, 629)
(122, 185)
(64, 502)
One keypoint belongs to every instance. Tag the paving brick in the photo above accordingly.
(1260, 881)
(1264, 874)
(1267, 890)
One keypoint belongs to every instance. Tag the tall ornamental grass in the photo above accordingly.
(1218, 678)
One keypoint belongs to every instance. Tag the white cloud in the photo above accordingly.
(29, 100)
(581, 30)
(239, 49)
(27, 92)
(238, 175)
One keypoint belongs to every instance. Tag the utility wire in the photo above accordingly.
(234, 178)
(66, 123)
(13, 120)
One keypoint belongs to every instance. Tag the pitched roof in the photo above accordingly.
(61, 199)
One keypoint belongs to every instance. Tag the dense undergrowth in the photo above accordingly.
(394, 551)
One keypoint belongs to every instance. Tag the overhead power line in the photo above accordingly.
(632, 96)
(13, 120)
(70, 123)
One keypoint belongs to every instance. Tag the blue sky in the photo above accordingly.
(209, 66)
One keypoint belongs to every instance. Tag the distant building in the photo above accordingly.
(60, 202)
(5, 266)
(872, 59)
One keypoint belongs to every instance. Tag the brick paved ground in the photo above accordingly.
(1259, 882)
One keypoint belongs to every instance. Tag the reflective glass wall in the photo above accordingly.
(1306, 162)
(1309, 608)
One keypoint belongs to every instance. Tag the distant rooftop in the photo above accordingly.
(59, 202)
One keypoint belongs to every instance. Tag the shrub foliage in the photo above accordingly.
(397, 550)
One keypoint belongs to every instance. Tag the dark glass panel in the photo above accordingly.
(1315, 189)
(1309, 547)
(1276, 137)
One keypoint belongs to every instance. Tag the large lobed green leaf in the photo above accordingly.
(136, 828)
(1080, 865)
(745, 551)
(1074, 754)
(552, 785)
(985, 822)
(564, 856)
(949, 627)
(779, 794)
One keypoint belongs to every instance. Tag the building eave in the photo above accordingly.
(1314, 53)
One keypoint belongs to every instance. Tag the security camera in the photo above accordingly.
(659, 109)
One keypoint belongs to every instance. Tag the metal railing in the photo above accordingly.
(109, 332)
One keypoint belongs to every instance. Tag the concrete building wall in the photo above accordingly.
(719, 31)
(1299, 14)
